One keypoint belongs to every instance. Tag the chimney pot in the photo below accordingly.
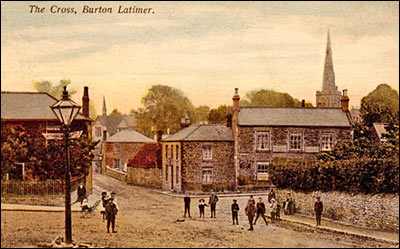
(303, 103)
(85, 102)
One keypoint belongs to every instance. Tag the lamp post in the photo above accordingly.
(66, 110)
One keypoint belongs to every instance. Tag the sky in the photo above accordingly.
(205, 49)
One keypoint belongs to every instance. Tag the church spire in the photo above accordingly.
(104, 107)
(329, 75)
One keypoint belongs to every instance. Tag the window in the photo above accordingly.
(207, 175)
(117, 147)
(262, 140)
(177, 174)
(295, 142)
(326, 141)
(177, 152)
(98, 132)
(166, 152)
(116, 163)
(262, 171)
(207, 152)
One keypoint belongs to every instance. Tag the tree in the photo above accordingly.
(43, 160)
(115, 112)
(270, 98)
(56, 91)
(201, 113)
(379, 105)
(164, 107)
(219, 115)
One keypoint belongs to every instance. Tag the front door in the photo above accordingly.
(172, 177)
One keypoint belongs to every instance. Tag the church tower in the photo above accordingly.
(104, 107)
(329, 96)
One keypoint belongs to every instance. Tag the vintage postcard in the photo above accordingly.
(199, 124)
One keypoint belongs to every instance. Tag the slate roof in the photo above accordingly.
(113, 122)
(129, 136)
(200, 132)
(28, 106)
(149, 156)
(317, 117)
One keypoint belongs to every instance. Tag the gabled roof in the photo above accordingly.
(380, 129)
(201, 132)
(113, 122)
(149, 156)
(128, 136)
(29, 106)
(297, 116)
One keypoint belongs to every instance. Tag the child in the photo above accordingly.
(202, 205)
(235, 210)
(85, 205)
(104, 200)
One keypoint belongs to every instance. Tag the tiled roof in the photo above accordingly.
(202, 133)
(28, 106)
(126, 136)
(149, 156)
(320, 117)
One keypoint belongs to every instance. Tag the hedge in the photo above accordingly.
(356, 176)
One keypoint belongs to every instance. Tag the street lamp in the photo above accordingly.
(66, 110)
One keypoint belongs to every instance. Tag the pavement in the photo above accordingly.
(309, 221)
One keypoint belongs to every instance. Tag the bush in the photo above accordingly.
(360, 176)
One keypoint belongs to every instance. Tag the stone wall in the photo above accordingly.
(221, 163)
(372, 211)
(119, 175)
(125, 153)
(149, 177)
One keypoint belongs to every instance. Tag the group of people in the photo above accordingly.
(254, 210)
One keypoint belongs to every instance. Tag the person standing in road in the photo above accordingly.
(186, 200)
(252, 200)
(111, 212)
(213, 204)
(318, 208)
(261, 211)
(235, 209)
(250, 211)
(274, 210)
(202, 206)
(81, 193)
(271, 195)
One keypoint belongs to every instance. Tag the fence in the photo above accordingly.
(49, 187)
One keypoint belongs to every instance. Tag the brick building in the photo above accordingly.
(145, 166)
(198, 158)
(31, 110)
(119, 149)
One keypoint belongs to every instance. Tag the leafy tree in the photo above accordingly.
(164, 107)
(201, 113)
(56, 90)
(270, 98)
(218, 116)
(43, 160)
(115, 112)
(379, 105)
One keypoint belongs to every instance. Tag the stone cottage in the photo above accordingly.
(145, 167)
(262, 134)
(198, 158)
(119, 149)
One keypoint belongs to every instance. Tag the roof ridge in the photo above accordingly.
(198, 126)
(12, 92)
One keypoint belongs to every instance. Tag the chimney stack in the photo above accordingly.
(236, 99)
(85, 102)
(344, 100)
(303, 103)
(159, 136)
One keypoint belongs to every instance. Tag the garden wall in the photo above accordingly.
(379, 211)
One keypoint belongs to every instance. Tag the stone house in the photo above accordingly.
(108, 125)
(119, 149)
(377, 131)
(145, 166)
(262, 134)
(198, 158)
(31, 110)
